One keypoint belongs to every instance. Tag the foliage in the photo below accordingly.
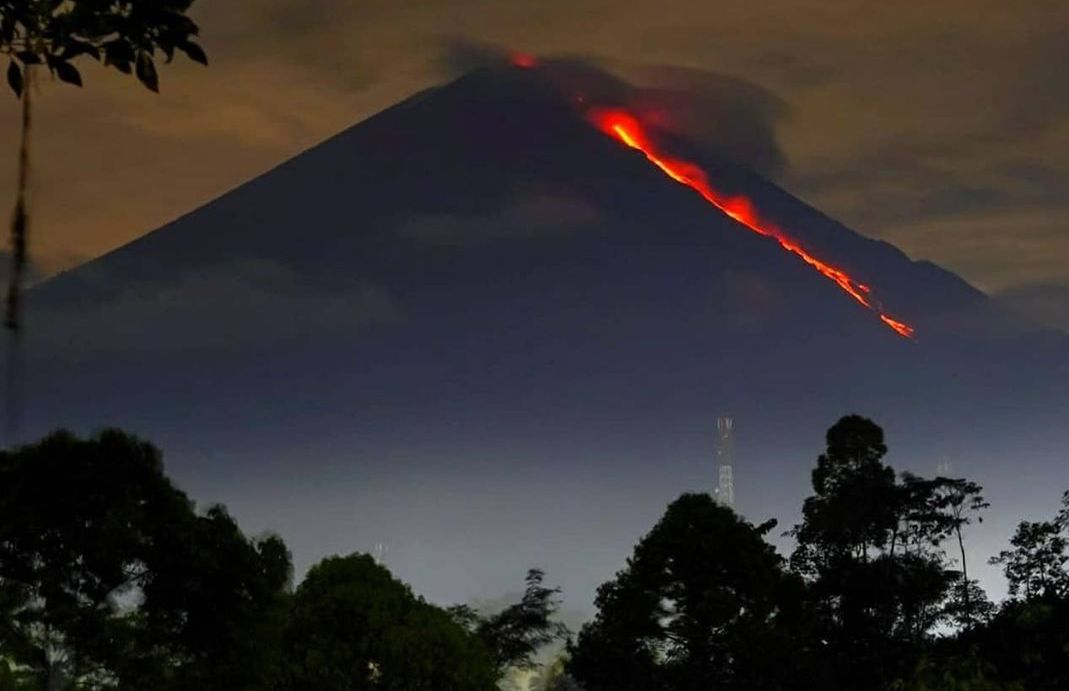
(13, 680)
(1035, 566)
(871, 548)
(128, 35)
(957, 673)
(703, 603)
(354, 627)
(968, 606)
(109, 578)
(224, 616)
(514, 635)
(956, 502)
(854, 508)
(1027, 643)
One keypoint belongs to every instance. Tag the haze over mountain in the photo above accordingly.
(479, 330)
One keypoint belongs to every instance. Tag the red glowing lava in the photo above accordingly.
(625, 127)
(903, 329)
(524, 61)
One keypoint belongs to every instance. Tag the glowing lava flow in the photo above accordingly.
(524, 61)
(626, 128)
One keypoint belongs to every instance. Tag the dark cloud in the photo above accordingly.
(229, 307)
(1046, 304)
(1031, 103)
(460, 55)
(738, 118)
(527, 216)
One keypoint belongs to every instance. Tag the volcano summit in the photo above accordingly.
(477, 311)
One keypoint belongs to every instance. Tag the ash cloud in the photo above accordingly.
(734, 117)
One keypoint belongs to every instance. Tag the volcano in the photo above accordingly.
(477, 328)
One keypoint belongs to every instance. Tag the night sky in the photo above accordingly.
(941, 127)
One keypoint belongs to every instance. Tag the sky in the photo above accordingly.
(942, 127)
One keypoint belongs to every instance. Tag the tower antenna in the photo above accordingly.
(725, 458)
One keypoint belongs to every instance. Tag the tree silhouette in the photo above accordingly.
(957, 502)
(108, 576)
(514, 635)
(352, 627)
(871, 549)
(110, 579)
(1036, 565)
(703, 603)
(128, 35)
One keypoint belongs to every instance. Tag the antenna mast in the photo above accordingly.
(725, 457)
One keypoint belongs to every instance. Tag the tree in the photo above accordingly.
(75, 521)
(1026, 642)
(108, 577)
(957, 673)
(1035, 566)
(956, 502)
(854, 508)
(514, 635)
(968, 606)
(703, 603)
(352, 627)
(217, 601)
(129, 35)
(12, 680)
(871, 549)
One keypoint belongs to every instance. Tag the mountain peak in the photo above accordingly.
(498, 194)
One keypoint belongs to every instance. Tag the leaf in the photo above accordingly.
(28, 57)
(14, 78)
(195, 52)
(67, 72)
(118, 55)
(146, 72)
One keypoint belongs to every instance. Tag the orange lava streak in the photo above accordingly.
(626, 128)
(903, 329)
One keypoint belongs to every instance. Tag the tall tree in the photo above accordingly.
(703, 603)
(957, 502)
(853, 511)
(1025, 645)
(353, 627)
(109, 577)
(871, 549)
(216, 601)
(129, 35)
